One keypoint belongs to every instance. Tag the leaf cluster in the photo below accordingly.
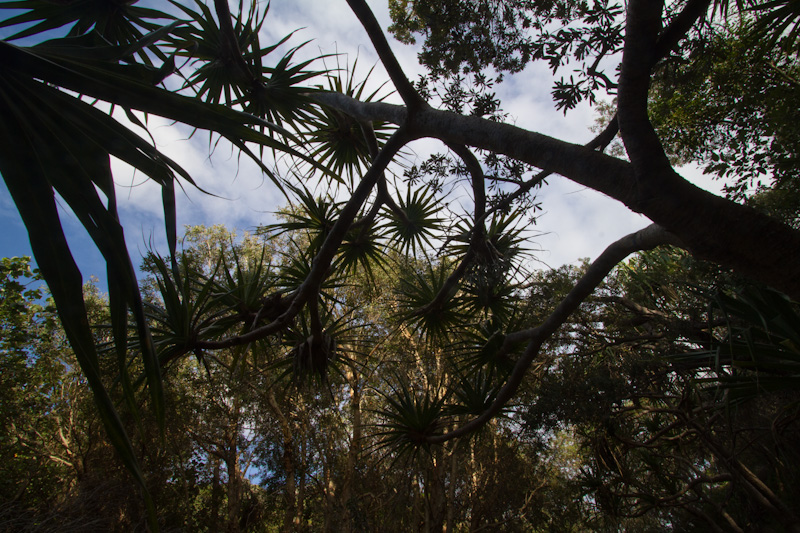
(730, 106)
(506, 36)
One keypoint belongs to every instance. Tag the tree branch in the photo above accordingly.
(643, 24)
(322, 261)
(710, 227)
(477, 232)
(644, 239)
(478, 179)
(383, 197)
(680, 26)
(405, 89)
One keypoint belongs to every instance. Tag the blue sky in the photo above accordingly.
(576, 222)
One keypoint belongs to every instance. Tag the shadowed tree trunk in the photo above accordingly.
(289, 464)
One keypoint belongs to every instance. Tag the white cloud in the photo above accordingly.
(580, 223)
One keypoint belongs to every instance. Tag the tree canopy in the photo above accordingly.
(451, 281)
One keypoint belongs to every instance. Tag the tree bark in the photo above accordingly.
(234, 488)
(289, 464)
(708, 226)
(353, 453)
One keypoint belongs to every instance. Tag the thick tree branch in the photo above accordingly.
(680, 26)
(643, 24)
(708, 226)
(404, 87)
(578, 163)
(667, 41)
(361, 111)
(644, 239)
(478, 179)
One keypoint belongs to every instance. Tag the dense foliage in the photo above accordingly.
(386, 356)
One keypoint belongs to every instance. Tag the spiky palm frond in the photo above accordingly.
(760, 351)
(338, 141)
(419, 288)
(237, 73)
(361, 249)
(777, 21)
(55, 143)
(479, 348)
(473, 393)
(484, 298)
(415, 225)
(407, 420)
(499, 245)
(282, 97)
(185, 311)
(295, 268)
(313, 218)
(313, 355)
(244, 283)
(118, 22)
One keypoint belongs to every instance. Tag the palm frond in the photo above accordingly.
(338, 141)
(418, 288)
(408, 420)
(118, 22)
(474, 393)
(243, 79)
(777, 22)
(761, 349)
(313, 218)
(361, 249)
(414, 227)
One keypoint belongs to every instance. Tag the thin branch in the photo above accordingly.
(604, 138)
(322, 261)
(785, 75)
(644, 239)
(477, 232)
(383, 197)
(447, 286)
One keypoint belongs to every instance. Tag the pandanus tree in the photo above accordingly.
(460, 269)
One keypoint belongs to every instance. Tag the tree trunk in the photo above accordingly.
(435, 492)
(451, 489)
(301, 486)
(289, 467)
(234, 491)
(330, 492)
(353, 453)
(216, 495)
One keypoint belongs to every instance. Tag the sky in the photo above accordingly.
(575, 222)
